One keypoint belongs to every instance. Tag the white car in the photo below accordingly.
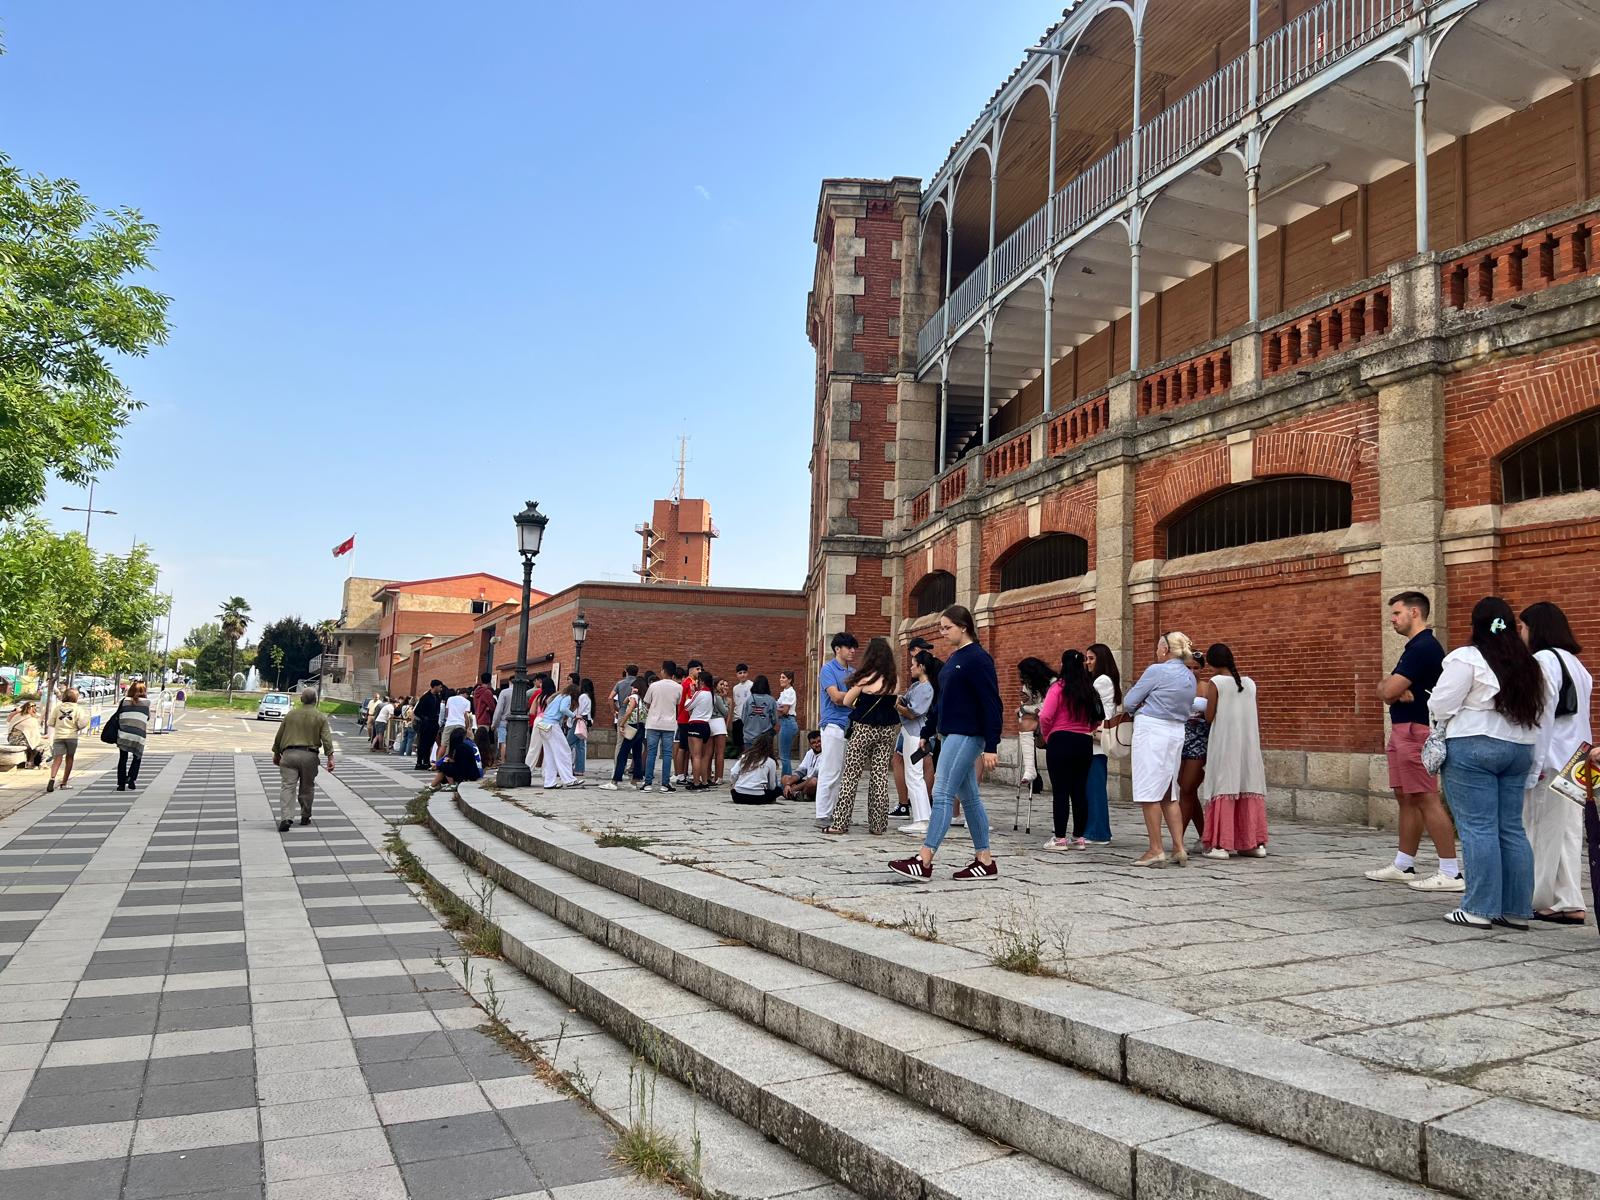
(273, 704)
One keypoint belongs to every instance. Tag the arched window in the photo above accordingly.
(1045, 559)
(934, 594)
(1566, 459)
(1262, 511)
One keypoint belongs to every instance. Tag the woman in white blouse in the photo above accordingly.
(1491, 698)
(1554, 823)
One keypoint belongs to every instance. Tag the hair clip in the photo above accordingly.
(1497, 625)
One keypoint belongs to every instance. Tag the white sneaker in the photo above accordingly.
(918, 828)
(1257, 852)
(1216, 852)
(1438, 882)
(1057, 844)
(608, 786)
(958, 822)
(1392, 874)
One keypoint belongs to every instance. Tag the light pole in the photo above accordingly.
(580, 634)
(89, 511)
(514, 771)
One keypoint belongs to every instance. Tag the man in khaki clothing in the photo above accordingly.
(294, 753)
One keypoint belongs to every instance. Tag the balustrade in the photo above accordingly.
(1204, 375)
(1327, 331)
(1008, 457)
(921, 505)
(1531, 263)
(1078, 424)
(953, 486)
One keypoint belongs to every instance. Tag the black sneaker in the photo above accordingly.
(902, 811)
(305, 820)
(283, 826)
(667, 787)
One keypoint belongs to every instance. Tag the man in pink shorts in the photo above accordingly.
(1406, 690)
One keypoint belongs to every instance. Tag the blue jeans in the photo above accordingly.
(632, 748)
(788, 730)
(658, 739)
(580, 752)
(957, 775)
(407, 740)
(1098, 828)
(1483, 781)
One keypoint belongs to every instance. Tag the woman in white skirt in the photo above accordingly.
(1554, 823)
(1159, 704)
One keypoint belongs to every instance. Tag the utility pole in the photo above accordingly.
(89, 511)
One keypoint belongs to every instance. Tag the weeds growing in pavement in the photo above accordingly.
(920, 922)
(417, 808)
(644, 1146)
(616, 836)
(492, 1002)
(687, 860)
(1019, 939)
(481, 936)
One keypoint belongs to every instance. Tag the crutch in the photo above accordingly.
(1027, 771)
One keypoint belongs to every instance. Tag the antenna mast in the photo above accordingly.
(683, 457)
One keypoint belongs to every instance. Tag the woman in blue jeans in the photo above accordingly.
(969, 729)
(1493, 695)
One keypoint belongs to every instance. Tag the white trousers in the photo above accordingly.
(535, 746)
(557, 759)
(1555, 831)
(1157, 755)
(916, 784)
(830, 766)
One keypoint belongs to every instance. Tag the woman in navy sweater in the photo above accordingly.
(969, 726)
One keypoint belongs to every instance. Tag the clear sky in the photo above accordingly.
(429, 261)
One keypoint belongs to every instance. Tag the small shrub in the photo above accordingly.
(616, 836)
(920, 923)
(1018, 942)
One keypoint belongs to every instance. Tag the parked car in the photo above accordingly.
(273, 704)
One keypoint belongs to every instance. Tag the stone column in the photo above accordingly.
(1411, 493)
(1113, 560)
(969, 563)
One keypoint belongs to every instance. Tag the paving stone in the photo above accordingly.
(1507, 1148)
(443, 1137)
(485, 1176)
(193, 1172)
(67, 1181)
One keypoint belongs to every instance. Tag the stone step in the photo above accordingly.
(1410, 1127)
(765, 1007)
(845, 1131)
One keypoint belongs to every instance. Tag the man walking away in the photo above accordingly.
(425, 720)
(483, 705)
(380, 727)
(1406, 691)
(835, 723)
(741, 697)
(661, 725)
(294, 753)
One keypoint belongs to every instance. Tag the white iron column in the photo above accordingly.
(1252, 175)
(949, 257)
(994, 196)
(1049, 236)
(988, 365)
(1133, 319)
(1049, 319)
(944, 412)
(1134, 226)
(1419, 104)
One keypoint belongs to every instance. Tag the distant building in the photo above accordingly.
(434, 611)
(354, 663)
(677, 543)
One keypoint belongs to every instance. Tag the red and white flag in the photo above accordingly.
(345, 546)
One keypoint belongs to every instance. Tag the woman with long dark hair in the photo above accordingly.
(869, 746)
(1036, 678)
(1554, 823)
(1491, 698)
(702, 707)
(788, 720)
(1071, 711)
(755, 778)
(1101, 664)
(1196, 744)
(1234, 789)
(969, 728)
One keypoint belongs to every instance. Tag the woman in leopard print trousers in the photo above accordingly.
(874, 726)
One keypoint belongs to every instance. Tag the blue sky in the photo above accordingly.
(430, 261)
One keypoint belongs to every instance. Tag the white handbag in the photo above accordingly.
(1117, 740)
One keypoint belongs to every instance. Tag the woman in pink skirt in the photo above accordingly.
(1235, 785)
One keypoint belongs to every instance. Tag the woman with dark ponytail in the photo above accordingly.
(1101, 664)
(1235, 785)
(1071, 711)
(1490, 699)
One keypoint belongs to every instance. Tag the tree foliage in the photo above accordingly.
(234, 617)
(65, 306)
(297, 640)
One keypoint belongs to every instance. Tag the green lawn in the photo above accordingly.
(246, 702)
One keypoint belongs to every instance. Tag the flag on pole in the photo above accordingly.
(345, 546)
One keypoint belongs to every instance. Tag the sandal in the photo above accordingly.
(1151, 860)
(1562, 918)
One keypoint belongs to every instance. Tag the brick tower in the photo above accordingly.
(677, 537)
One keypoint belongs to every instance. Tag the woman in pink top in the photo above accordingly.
(1072, 710)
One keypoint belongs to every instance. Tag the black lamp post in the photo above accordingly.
(580, 633)
(514, 771)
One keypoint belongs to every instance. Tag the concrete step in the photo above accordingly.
(846, 1132)
(1408, 1127)
(841, 1043)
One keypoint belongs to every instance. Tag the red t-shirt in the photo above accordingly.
(483, 704)
(689, 690)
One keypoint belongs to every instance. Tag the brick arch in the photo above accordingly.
(1308, 452)
(1537, 404)
(1013, 527)
(1194, 480)
(911, 592)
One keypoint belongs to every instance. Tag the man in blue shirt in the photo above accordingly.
(1406, 690)
(835, 722)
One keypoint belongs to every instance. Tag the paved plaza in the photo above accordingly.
(193, 1006)
(1297, 944)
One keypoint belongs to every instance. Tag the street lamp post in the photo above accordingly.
(580, 634)
(514, 771)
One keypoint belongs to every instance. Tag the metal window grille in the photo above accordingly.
(1561, 461)
(935, 593)
(1261, 512)
(1045, 559)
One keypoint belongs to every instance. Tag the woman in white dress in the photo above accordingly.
(1234, 789)
(1554, 823)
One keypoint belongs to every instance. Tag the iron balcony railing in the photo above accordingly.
(1310, 43)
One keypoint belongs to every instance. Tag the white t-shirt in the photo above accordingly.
(808, 765)
(787, 697)
(700, 708)
(661, 704)
(455, 711)
(386, 713)
(741, 694)
(758, 780)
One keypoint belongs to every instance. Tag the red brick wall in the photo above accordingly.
(1070, 510)
(1040, 629)
(1490, 410)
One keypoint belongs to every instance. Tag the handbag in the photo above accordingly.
(1567, 700)
(109, 731)
(1117, 740)
(1433, 749)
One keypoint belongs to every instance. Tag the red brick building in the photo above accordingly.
(435, 611)
(677, 543)
(1169, 343)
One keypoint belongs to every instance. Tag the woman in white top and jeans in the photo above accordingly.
(1554, 823)
(1493, 696)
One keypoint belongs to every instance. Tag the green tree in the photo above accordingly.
(65, 306)
(275, 653)
(211, 663)
(297, 640)
(233, 617)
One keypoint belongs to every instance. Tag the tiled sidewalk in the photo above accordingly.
(193, 1006)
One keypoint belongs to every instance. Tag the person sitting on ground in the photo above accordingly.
(25, 731)
(755, 776)
(461, 761)
(802, 785)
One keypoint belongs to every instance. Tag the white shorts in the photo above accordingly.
(719, 727)
(1157, 755)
